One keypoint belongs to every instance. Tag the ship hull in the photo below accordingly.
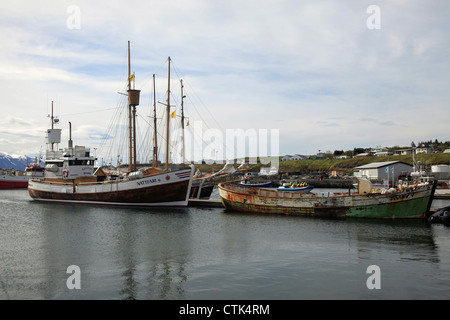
(168, 189)
(19, 182)
(412, 203)
(201, 191)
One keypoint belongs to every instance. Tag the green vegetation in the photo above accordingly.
(327, 165)
(347, 165)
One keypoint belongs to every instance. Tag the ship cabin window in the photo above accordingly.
(57, 163)
(34, 169)
(77, 162)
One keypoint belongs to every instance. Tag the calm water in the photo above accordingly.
(197, 253)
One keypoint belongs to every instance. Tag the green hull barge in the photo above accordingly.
(406, 202)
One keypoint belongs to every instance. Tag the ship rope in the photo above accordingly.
(196, 109)
(114, 149)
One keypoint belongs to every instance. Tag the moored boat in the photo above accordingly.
(204, 184)
(160, 189)
(71, 175)
(10, 180)
(411, 202)
(18, 179)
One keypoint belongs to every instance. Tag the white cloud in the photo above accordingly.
(311, 69)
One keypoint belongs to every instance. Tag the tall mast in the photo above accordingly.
(133, 101)
(155, 133)
(52, 122)
(168, 118)
(182, 120)
(134, 140)
(130, 124)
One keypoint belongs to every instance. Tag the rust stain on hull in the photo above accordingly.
(412, 203)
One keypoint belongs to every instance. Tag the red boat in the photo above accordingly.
(14, 179)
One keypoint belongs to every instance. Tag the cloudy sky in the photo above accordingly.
(328, 75)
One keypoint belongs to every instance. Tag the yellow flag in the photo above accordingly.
(187, 125)
(132, 77)
(173, 115)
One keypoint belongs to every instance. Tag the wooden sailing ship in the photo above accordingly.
(71, 175)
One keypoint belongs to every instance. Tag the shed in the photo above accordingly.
(380, 171)
(299, 157)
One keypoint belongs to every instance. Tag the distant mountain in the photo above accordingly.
(17, 162)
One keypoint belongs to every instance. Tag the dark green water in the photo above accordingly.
(197, 253)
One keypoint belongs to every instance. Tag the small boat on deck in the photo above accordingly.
(247, 183)
(296, 188)
(409, 202)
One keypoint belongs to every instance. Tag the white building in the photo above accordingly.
(381, 152)
(294, 157)
(380, 171)
(404, 152)
(441, 171)
(298, 157)
(424, 149)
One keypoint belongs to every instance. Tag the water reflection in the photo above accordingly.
(199, 253)
(410, 238)
(148, 248)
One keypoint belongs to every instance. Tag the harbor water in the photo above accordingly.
(210, 254)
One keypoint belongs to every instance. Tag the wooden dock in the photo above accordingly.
(442, 194)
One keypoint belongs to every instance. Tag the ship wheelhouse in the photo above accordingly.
(74, 167)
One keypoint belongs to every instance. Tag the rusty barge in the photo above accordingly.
(406, 202)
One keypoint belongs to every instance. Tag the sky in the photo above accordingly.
(308, 75)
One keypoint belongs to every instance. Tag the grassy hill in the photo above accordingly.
(327, 165)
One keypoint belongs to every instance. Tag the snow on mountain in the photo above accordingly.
(8, 161)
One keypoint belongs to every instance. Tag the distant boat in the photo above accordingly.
(18, 179)
(410, 202)
(71, 175)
